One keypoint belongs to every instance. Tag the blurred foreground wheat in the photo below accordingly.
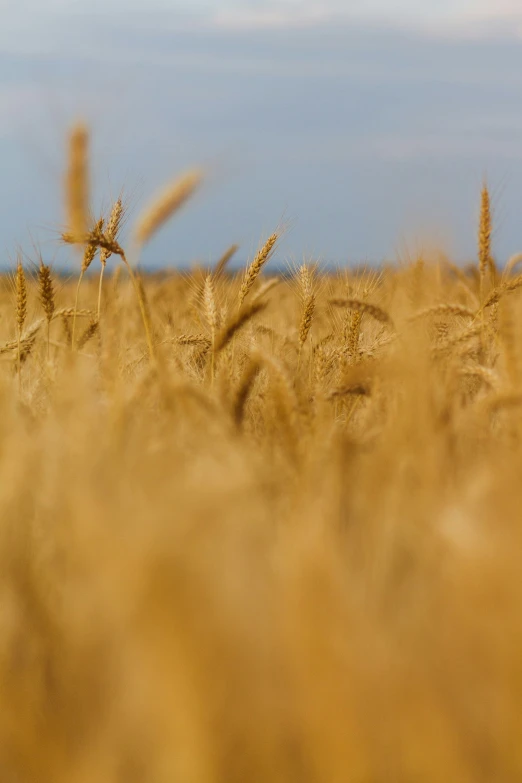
(259, 529)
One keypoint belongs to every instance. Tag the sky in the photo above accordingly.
(365, 128)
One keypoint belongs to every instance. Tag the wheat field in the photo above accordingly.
(258, 527)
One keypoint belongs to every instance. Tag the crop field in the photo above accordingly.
(258, 527)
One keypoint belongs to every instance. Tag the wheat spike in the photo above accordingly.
(484, 239)
(166, 204)
(77, 184)
(245, 386)
(21, 313)
(46, 291)
(306, 284)
(21, 296)
(264, 289)
(70, 312)
(306, 319)
(443, 309)
(26, 338)
(225, 260)
(363, 307)
(256, 266)
(209, 301)
(112, 230)
(243, 316)
(193, 339)
(88, 334)
(92, 246)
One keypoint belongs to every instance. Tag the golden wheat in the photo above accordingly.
(249, 571)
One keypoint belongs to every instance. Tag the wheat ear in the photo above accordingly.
(21, 312)
(256, 266)
(245, 386)
(77, 183)
(484, 239)
(243, 316)
(308, 297)
(225, 260)
(211, 314)
(46, 294)
(364, 307)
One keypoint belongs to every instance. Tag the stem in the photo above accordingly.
(212, 361)
(48, 339)
(143, 310)
(100, 290)
(76, 308)
(19, 364)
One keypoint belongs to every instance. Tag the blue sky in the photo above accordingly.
(367, 126)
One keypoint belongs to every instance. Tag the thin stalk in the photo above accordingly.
(76, 308)
(19, 363)
(100, 290)
(143, 310)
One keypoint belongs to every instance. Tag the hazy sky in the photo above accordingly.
(367, 126)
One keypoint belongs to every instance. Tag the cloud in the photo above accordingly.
(345, 122)
(448, 18)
